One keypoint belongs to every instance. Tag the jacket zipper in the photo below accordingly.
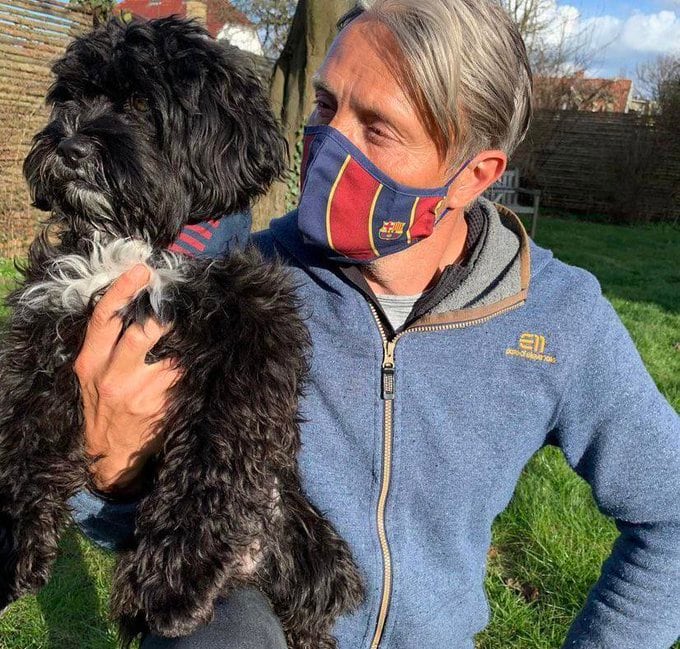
(388, 391)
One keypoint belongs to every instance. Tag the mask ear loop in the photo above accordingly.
(448, 186)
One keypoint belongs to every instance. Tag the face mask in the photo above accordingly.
(353, 211)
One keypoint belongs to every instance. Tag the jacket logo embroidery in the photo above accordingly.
(532, 343)
(531, 347)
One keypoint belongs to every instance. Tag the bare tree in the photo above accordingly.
(101, 10)
(560, 49)
(531, 16)
(659, 80)
(272, 19)
(311, 33)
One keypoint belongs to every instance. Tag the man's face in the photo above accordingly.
(360, 91)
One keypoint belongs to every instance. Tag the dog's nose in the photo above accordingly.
(74, 149)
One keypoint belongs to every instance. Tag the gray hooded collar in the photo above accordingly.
(499, 278)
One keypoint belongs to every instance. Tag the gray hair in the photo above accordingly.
(471, 77)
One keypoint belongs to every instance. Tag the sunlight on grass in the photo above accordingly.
(71, 610)
(8, 274)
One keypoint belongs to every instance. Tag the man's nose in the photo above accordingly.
(348, 124)
(74, 150)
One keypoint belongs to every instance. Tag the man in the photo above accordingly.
(448, 349)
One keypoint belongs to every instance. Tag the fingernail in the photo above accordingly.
(139, 272)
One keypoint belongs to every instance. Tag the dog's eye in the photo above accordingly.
(59, 95)
(139, 103)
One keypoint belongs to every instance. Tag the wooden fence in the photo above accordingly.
(624, 166)
(33, 33)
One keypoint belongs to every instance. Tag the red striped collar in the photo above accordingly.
(194, 238)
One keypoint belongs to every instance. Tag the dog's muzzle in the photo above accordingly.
(73, 151)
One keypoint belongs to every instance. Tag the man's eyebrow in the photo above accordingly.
(369, 110)
(319, 84)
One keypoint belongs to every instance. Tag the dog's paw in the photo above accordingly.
(164, 606)
(169, 615)
(179, 620)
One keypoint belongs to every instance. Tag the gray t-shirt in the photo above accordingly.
(397, 308)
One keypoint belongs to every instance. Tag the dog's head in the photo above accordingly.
(154, 125)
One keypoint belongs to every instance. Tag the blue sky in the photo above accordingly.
(623, 8)
(624, 33)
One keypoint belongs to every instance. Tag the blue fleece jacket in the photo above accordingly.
(413, 444)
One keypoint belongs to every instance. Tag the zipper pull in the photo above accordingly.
(388, 370)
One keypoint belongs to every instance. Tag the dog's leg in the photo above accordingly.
(318, 580)
(41, 466)
(28, 542)
(198, 535)
(300, 639)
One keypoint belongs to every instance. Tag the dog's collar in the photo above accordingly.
(214, 238)
(193, 239)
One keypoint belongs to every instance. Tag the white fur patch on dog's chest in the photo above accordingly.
(74, 279)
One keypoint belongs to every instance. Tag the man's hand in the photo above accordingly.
(123, 397)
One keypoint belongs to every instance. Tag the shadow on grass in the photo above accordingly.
(70, 612)
(70, 604)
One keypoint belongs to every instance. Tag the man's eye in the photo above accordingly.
(140, 104)
(375, 132)
(322, 105)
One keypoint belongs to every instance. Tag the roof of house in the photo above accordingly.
(219, 12)
(589, 93)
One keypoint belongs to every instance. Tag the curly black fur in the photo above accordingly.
(154, 125)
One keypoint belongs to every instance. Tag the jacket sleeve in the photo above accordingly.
(620, 434)
(107, 523)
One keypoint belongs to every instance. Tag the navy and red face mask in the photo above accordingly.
(352, 210)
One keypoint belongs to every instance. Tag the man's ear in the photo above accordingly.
(482, 172)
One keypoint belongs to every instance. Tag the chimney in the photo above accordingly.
(198, 9)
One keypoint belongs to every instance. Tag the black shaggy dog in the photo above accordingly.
(154, 125)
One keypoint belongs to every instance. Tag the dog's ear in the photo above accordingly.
(41, 201)
(236, 145)
(33, 171)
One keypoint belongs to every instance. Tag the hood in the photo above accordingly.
(500, 278)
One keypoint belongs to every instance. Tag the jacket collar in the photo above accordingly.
(500, 278)
(504, 286)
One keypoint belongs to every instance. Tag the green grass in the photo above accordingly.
(8, 275)
(548, 546)
(71, 610)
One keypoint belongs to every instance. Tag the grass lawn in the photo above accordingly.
(548, 546)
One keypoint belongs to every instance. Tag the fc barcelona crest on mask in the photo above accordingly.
(391, 230)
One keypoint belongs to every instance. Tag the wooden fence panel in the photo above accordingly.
(33, 33)
(622, 165)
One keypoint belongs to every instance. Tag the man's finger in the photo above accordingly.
(167, 365)
(133, 346)
(105, 324)
(162, 379)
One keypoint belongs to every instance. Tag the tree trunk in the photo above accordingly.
(311, 34)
